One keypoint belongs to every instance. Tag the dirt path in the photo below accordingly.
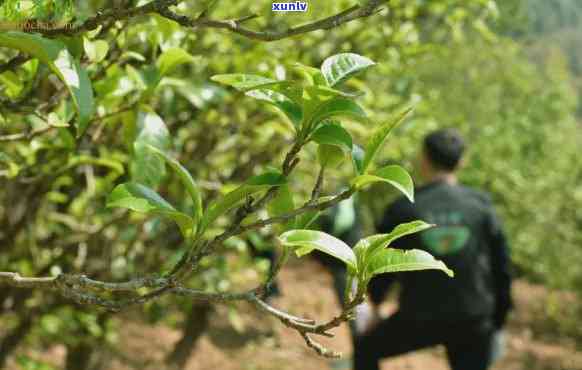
(267, 345)
(260, 343)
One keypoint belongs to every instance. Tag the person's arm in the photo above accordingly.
(500, 265)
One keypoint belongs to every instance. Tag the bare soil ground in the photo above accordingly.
(261, 343)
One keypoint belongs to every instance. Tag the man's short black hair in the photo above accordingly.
(444, 148)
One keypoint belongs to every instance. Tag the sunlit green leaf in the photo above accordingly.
(338, 107)
(56, 55)
(74, 44)
(366, 248)
(140, 198)
(333, 134)
(312, 99)
(283, 204)
(283, 94)
(330, 155)
(306, 241)
(78, 160)
(397, 260)
(291, 109)
(96, 50)
(379, 137)
(172, 58)
(242, 82)
(186, 178)
(394, 175)
(311, 74)
(128, 54)
(340, 67)
(232, 199)
(307, 219)
(148, 168)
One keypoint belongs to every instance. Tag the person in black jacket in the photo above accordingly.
(462, 313)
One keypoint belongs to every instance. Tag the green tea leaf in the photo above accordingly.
(283, 203)
(96, 50)
(307, 219)
(242, 82)
(148, 168)
(56, 55)
(397, 260)
(338, 107)
(311, 74)
(312, 98)
(291, 109)
(140, 198)
(379, 137)
(341, 67)
(366, 248)
(330, 155)
(146, 78)
(285, 95)
(230, 200)
(306, 241)
(172, 58)
(333, 134)
(394, 175)
(186, 178)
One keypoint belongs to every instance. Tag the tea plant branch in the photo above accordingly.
(161, 7)
(26, 135)
(297, 212)
(317, 347)
(305, 326)
(32, 134)
(78, 281)
(15, 280)
(80, 288)
(348, 15)
(200, 248)
(113, 14)
(317, 188)
(83, 282)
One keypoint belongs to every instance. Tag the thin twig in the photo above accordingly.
(26, 135)
(321, 350)
(318, 185)
(161, 7)
(348, 15)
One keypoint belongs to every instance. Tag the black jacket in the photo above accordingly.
(468, 239)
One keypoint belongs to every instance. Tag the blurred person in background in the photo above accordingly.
(466, 313)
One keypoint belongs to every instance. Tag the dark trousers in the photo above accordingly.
(468, 342)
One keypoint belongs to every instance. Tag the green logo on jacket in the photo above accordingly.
(444, 240)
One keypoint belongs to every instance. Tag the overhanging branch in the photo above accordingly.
(162, 7)
(78, 288)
